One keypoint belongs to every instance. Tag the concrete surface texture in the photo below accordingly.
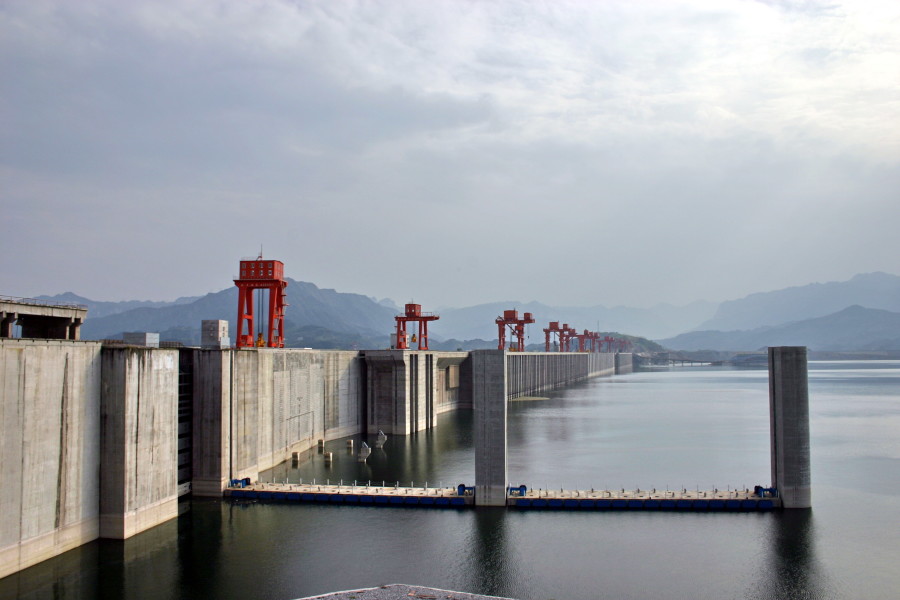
(407, 389)
(214, 334)
(789, 425)
(253, 408)
(402, 591)
(489, 401)
(211, 425)
(50, 467)
(139, 440)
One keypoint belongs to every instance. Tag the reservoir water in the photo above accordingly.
(684, 427)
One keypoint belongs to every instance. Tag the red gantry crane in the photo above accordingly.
(413, 312)
(551, 330)
(565, 338)
(261, 274)
(516, 326)
(582, 339)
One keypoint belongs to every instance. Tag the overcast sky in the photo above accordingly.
(454, 153)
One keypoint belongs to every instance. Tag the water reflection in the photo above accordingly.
(791, 570)
(199, 546)
(489, 556)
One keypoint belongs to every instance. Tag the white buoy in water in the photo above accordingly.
(381, 439)
(364, 452)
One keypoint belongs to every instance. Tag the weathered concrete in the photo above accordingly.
(401, 591)
(90, 434)
(139, 440)
(489, 394)
(40, 319)
(254, 407)
(141, 338)
(789, 425)
(211, 460)
(214, 334)
(49, 443)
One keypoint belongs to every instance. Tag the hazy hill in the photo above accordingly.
(98, 308)
(871, 290)
(854, 328)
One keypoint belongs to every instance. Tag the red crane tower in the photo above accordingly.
(413, 312)
(609, 342)
(582, 339)
(260, 274)
(552, 329)
(516, 326)
(566, 334)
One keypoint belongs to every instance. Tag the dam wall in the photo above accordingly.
(530, 373)
(138, 440)
(100, 441)
(50, 448)
(406, 390)
(254, 408)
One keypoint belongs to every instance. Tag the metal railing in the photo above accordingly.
(37, 302)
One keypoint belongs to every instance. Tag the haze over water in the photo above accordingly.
(682, 427)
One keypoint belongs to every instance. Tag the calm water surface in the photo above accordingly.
(686, 427)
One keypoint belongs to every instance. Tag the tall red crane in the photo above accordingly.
(583, 338)
(261, 274)
(413, 312)
(551, 330)
(565, 338)
(516, 326)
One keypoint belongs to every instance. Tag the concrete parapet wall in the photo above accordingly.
(139, 440)
(50, 448)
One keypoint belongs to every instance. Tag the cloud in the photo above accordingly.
(456, 151)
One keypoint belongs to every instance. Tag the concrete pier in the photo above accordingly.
(789, 425)
(489, 397)
(49, 444)
(139, 440)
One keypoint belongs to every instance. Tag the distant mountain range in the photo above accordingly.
(97, 309)
(853, 329)
(871, 290)
(855, 315)
(860, 314)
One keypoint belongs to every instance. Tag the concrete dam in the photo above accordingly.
(102, 441)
